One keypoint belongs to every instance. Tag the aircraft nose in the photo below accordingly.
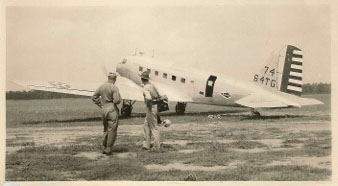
(119, 68)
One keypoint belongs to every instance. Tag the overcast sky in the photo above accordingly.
(70, 43)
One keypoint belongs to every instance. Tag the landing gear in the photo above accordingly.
(180, 108)
(127, 107)
(255, 113)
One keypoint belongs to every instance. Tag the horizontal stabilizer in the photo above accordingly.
(308, 101)
(258, 101)
(277, 100)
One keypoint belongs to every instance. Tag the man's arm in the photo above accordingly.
(96, 98)
(147, 98)
(116, 95)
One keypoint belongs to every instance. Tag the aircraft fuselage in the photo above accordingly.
(202, 87)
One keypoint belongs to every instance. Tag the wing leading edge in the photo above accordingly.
(128, 89)
(278, 100)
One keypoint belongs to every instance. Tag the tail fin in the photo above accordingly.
(283, 71)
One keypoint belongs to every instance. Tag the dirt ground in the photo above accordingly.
(235, 146)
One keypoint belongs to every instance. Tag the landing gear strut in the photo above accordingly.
(255, 113)
(180, 108)
(127, 107)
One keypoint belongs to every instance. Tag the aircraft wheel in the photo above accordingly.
(255, 113)
(126, 109)
(180, 108)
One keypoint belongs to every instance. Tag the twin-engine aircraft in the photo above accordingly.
(278, 85)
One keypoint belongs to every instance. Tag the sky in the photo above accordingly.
(71, 43)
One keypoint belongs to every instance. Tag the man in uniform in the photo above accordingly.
(150, 126)
(107, 97)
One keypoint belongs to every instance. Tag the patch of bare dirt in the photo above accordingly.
(92, 155)
(188, 151)
(188, 167)
(310, 126)
(126, 155)
(317, 162)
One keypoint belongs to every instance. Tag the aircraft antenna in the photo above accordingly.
(153, 53)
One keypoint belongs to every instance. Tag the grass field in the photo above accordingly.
(59, 140)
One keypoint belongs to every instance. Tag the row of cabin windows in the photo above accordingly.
(165, 75)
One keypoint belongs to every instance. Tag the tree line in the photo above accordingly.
(313, 88)
(317, 88)
(37, 94)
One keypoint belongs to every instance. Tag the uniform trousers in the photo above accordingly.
(151, 128)
(110, 120)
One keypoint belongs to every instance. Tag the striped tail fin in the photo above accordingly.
(283, 71)
(292, 71)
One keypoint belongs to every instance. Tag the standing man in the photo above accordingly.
(107, 97)
(150, 126)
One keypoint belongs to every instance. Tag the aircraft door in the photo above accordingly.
(209, 89)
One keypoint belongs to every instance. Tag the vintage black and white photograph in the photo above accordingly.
(226, 91)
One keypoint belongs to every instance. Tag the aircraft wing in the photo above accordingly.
(174, 94)
(279, 100)
(127, 88)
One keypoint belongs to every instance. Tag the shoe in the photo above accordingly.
(144, 149)
(108, 153)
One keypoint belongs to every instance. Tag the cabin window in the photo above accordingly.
(182, 80)
(210, 83)
(140, 69)
(148, 70)
(173, 78)
(156, 73)
(165, 75)
(192, 81)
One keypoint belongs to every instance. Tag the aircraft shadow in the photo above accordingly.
(223, 114)
(134, 115)
(65, 120)
(207, 113)
(250, 117)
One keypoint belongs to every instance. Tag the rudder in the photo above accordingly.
(292, 73)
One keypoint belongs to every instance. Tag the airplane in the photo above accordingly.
(277, 85)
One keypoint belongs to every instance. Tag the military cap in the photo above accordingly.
(112, 74)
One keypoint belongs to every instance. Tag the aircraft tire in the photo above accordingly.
(126, 111)
(180, 108)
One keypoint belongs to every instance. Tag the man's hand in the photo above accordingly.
(97, 101)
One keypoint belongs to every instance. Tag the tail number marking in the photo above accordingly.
(272, 71)
(265, 80)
